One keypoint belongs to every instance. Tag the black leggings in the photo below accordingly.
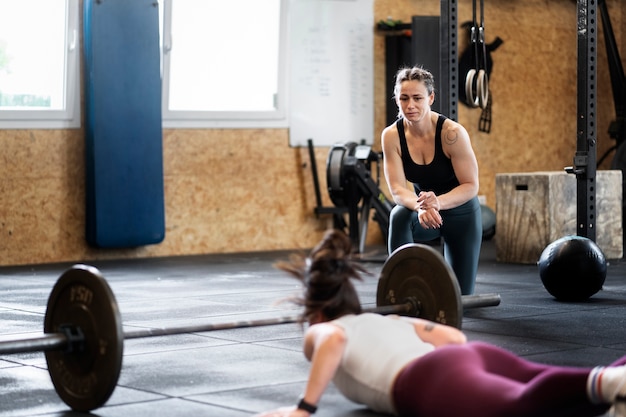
(462, 236)
(481, 380)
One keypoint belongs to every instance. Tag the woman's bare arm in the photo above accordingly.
(324, 344)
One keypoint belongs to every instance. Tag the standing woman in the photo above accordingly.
(413, 367)
(433, 153)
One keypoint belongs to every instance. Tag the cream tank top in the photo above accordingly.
(377, 349)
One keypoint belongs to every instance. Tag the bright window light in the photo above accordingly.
(223, 63)
(38, 64)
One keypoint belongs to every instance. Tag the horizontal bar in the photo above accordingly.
(169, 331)
(49, 341)
(59, 341)
(480, 300)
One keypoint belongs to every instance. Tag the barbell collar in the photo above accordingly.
(480, 300)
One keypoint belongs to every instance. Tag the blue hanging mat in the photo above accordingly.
(124, 150)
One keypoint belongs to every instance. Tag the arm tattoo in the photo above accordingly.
(429, 327)
(451, 137)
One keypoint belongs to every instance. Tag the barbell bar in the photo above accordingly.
(61, 341)
(83, 332)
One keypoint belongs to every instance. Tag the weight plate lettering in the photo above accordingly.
(81, 297)
(418, 272)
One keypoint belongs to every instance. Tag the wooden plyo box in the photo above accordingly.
(534, 209)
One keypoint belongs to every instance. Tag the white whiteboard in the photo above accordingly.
(331, 74)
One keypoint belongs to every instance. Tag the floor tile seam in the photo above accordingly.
(573, 344)
(181, 349)
(619, 346)
(517, 313)
(30, 281)
(19, 334)
(559, 353)
(512, 315)
(209, 391)
(199, 294)
(210, 404)
(507, 332)
(211, 319)
(21, 365)
(209, 287)
(18, 413)
(199, 300)
(252, 387)
(265, 344)
(162, 397)
(235, 319)
(12, 364)
(36, 310)
(225, 342)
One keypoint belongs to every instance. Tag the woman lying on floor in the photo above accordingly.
(413, 367)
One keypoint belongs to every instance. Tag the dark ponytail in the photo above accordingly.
(326, 275)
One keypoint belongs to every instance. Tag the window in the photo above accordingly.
(39, 65)
(224, 63)
(217, 71)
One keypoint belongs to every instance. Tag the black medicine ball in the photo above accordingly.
(572, 268)
(489, 222)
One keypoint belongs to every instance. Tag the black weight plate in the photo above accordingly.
(335, 177)
(420, 272)
(81, 297)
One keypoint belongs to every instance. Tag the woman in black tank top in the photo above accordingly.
(435, 155)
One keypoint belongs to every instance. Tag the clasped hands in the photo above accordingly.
(428, 210)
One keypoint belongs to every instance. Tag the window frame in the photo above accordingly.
(277, 118)
(70, 117)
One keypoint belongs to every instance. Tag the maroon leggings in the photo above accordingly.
(481, 380)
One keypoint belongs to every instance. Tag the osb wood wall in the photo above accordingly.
(247, 190)
(533, 84)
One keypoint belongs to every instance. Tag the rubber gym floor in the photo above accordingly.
(239, 372)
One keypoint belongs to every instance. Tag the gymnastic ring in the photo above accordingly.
(482, 88)
(470, 98)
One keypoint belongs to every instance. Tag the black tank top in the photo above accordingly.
(438, 176)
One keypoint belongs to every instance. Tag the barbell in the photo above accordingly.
(83, 333)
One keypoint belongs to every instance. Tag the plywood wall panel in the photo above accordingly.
(233, 190)
(533, 84)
